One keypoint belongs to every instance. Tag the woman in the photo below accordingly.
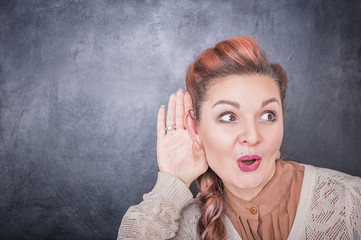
(226, 133)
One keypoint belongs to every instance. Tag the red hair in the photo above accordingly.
(239, 55)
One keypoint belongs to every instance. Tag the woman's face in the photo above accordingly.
(241, 130)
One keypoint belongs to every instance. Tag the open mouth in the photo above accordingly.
(248, 162)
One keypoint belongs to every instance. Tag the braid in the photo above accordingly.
(210, 224)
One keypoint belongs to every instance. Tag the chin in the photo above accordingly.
(248, 186)
(249, 183)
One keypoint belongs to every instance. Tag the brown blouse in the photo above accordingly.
(270, 214)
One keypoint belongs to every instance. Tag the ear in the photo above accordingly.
(192, 127)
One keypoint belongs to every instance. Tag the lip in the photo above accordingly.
(253, 166)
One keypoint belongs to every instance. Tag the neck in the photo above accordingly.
(248, 193)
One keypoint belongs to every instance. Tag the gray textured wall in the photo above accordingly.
(81, 82)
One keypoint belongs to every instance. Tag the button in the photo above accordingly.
(253, 210)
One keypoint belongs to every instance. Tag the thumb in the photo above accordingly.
(199, 157)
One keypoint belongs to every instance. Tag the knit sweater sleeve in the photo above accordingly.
(353, 207)
(158, 215)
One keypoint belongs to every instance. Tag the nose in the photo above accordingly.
(249, 133)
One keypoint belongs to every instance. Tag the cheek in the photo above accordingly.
(217, 143)
(273, 138)
(211, 140)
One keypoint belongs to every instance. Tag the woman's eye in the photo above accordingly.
(268, 116)
(227, 117)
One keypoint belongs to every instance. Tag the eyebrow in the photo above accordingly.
(271, 100)
(236, 104)
(228, 102)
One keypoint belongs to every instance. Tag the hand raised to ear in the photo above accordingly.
(177, 153)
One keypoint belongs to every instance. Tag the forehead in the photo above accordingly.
(245, 89)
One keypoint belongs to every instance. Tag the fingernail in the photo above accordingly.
(180, 89)
(162, 106)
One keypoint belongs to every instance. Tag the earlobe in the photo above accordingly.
(191, 127)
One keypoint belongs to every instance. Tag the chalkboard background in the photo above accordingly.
(81, 83)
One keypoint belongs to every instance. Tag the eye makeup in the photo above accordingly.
(227, 117)
(273, 114)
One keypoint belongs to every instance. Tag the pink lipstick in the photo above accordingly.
(249, 163)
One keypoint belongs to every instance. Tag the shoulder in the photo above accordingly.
(335, 179)
(189, 222)
(192, 210)
(335, 200)
(190, 216)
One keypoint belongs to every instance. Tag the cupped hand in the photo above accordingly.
(176, 153)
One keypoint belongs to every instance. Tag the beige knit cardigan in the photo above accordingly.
(329, 208)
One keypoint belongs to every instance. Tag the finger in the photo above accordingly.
(171, 111)
(200, 157)
(160, 122)
(179, 109)
(187, 102)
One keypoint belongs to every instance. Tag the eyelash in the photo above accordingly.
(274, 113)
(224, 114)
